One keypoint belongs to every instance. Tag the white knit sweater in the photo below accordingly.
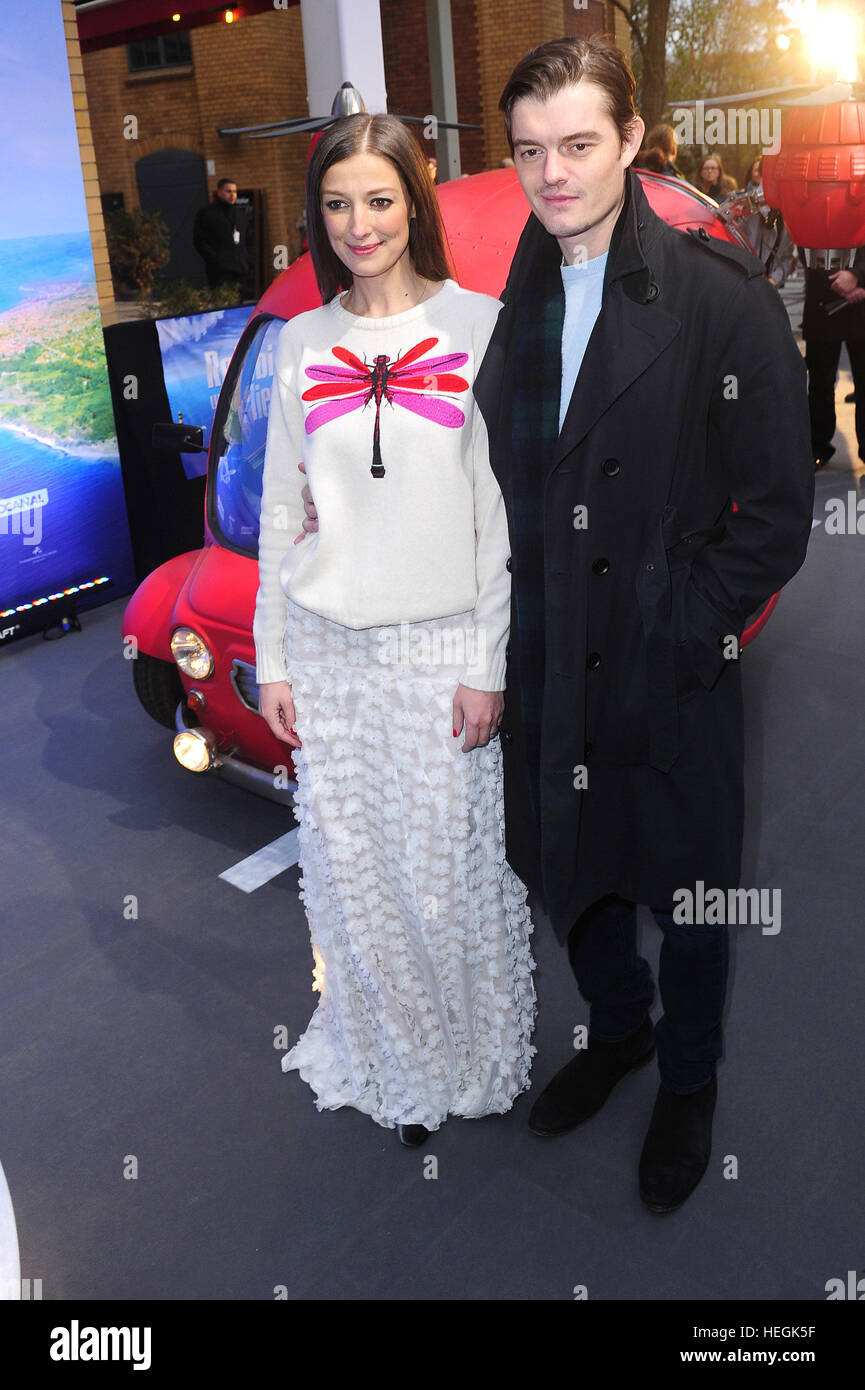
(427, 539)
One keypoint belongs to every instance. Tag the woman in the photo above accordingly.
(380, 640)
(659, 151)
(712, 180)
(754, 176)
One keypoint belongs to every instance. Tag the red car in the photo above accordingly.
(192, 617)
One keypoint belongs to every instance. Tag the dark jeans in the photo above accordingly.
(822, 362)
(617, 984)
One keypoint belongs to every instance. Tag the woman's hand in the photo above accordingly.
(310, 522)
(277, 708)
(480, 711)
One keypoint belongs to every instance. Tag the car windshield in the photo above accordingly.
(236, 479)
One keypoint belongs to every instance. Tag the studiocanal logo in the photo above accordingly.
(22, 515)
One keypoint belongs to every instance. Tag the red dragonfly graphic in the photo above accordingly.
(402, 382)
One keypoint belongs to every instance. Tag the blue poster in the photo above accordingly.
(62, 509)
(195, 354)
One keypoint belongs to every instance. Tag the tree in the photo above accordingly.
(648, 21)
(698, 48)
(137, 247)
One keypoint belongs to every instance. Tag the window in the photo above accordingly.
(234, 493)
(165, 51)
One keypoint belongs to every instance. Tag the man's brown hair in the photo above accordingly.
(545, 70)
(383, 135)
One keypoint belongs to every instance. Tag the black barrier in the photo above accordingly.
(165, 508)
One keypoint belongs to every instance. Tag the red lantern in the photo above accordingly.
(817, 180)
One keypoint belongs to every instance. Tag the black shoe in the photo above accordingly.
(412, 1135)
(676, 1152)
(578, 1091)
(822, 454)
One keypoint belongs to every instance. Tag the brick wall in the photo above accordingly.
(241, 74)
(252, 71)
(104, 287)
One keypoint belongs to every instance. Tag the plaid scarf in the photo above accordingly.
(530, 423)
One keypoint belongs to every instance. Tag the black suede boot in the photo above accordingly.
(579, 1090)
(676, 1152)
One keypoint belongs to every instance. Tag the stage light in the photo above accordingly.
(229, 16)
(53, 598)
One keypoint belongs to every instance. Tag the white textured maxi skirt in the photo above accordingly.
(419, 927)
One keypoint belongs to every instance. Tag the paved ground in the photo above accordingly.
(146, 1043)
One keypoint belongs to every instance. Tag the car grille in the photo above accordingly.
(245, 684)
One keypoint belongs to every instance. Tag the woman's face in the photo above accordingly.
(366, 213)
(711, 171)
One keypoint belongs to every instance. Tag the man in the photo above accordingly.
(834, 313)
(639, 380)
(221, 237)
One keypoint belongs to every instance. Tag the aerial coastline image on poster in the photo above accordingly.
(62, 509)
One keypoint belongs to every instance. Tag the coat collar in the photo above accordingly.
(636, 231)
(633, 327)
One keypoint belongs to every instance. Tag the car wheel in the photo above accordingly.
(158, 687)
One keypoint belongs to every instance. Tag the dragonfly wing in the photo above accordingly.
(430, 407)
(413, 353)
(432, 364)
(433, 381)
(345, 355)
(336, 373)
(333, 388)
(331, 410)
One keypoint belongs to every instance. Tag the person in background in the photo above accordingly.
(766, 231)
(659, 152)
(711, 179)
(754, 176)
(221, 236)
(834, 314)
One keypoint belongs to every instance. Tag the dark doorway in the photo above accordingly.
(174, 183)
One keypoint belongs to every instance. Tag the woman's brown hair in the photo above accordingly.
(386, 136)
(545, 70)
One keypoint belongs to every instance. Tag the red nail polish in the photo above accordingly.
(456, 735)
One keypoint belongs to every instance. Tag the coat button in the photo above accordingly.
(653, 291)
(508, 563)
(610, 467)
(600, 566)
(507, 653)
(506, 736)
(593, 660)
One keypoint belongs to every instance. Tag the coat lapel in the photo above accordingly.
(627, 338)
(632, 329)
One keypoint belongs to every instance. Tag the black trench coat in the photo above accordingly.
(638, 684)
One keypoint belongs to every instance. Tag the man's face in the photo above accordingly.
(228, 192)
(571, 164)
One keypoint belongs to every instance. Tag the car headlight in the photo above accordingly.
(191, 653)
(195, 749)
